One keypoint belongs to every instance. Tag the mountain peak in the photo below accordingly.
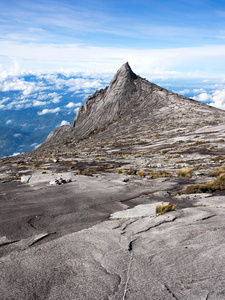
(127, 69)
(131, 104)
(125, 72)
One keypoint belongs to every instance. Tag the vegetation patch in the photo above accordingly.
(185, 172)
(218, 171)
(208, 187)
(120, 170)
(218, 158)
(131, 172)
(162, 209)
(141, 173)
(159, 174)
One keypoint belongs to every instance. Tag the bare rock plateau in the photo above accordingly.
(78, 214)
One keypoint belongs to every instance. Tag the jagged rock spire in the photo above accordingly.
(124, 73)
(105, 105)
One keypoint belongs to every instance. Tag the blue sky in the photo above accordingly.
(167, 38)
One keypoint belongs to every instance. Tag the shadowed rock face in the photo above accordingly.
(105, 105)
(131, 106)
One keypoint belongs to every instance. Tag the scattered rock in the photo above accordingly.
(59, 181)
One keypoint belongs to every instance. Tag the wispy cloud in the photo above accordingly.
(49, 111)
(72, 104)
(196, 61)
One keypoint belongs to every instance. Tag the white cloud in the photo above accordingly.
(56, 99)
(47, 111)
(204, 97)
(64, 123)
(17, 84)
(201, 90)
(215, 98)
(5, 99)
(39, 103)
(8, 122)
(218, 99)
(35, 145)
(76, 109)
(17, 135)
(173, 62)
(72, 104)
(82, 83)
(184, 92)
(17, 153)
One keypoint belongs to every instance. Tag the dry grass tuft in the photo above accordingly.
(208, 187)
(162, 209)
(141, 173)
(160, 174)
(120, 170)
(218, 171)
(185, 172)
(221, 177)
(131, 172)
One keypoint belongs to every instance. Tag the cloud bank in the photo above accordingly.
(215, 98)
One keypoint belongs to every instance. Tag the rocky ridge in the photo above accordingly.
(78, 214)
(132, 108)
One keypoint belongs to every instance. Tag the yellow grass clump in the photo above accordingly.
(185, 172)
(120, 170)
(218, 171)
(162, 209)
(141, 173)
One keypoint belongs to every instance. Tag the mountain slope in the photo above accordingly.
(130, 108)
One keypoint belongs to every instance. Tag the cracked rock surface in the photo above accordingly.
(179, 255)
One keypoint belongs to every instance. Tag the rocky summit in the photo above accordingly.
(127, 203)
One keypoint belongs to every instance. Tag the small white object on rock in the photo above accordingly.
(25, 178)
(54, 182)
